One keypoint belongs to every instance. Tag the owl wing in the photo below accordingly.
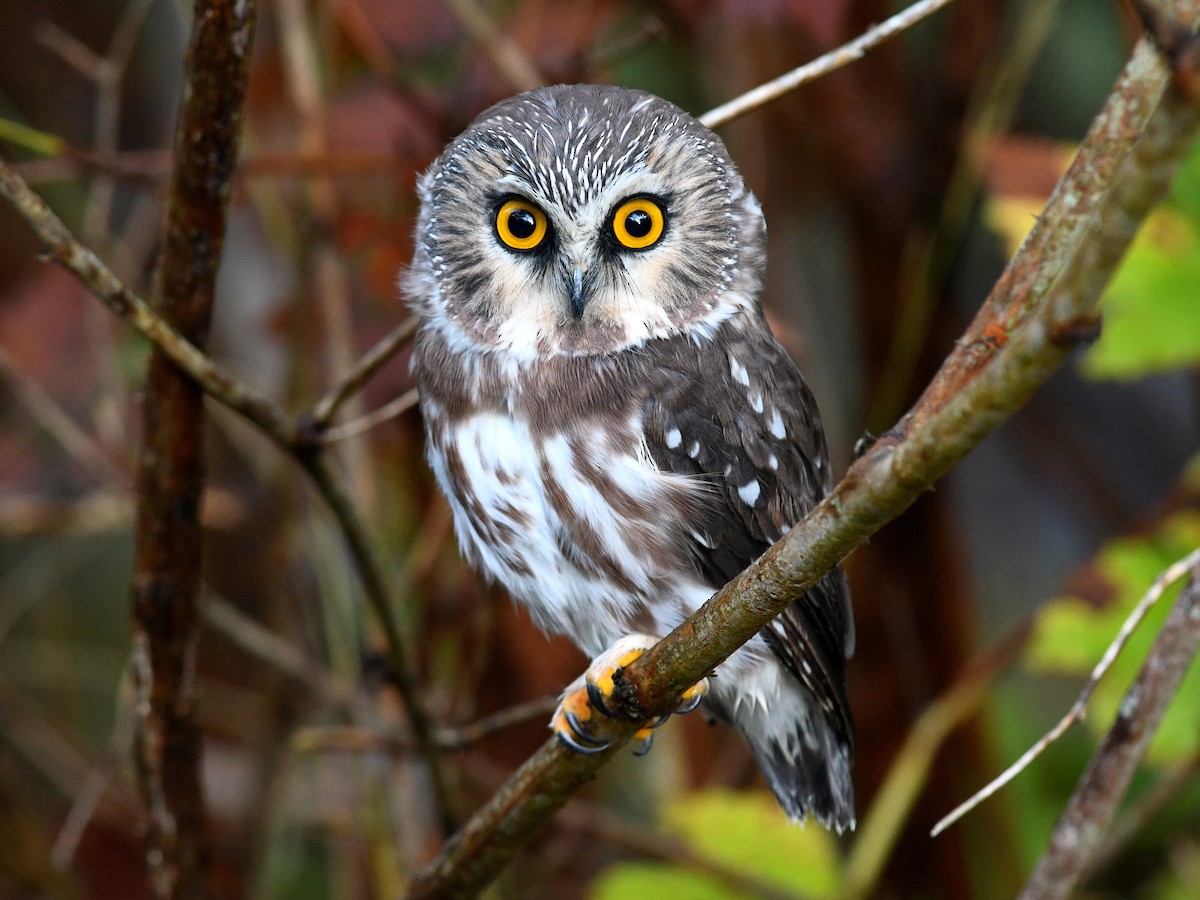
(736, 412)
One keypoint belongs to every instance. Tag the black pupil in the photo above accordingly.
(521, 223)
(638, 223)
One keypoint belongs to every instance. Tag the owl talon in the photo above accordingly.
(577, 738)
(569, 723)
(599, 700)
(575, 746)
(692, 697)
(593, 694)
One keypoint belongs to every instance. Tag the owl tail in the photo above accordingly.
(800, 753)
(809, 780)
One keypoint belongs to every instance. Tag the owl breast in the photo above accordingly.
(583, 532)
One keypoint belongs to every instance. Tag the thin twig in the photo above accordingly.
(99, 779)
(370, 363)
(99, 512)
(361, 34)
(46, 411)
(379, 599)
(1081, 829)
(447, 737)
(108, 77)
(58, 245)
(281, 654)
(822, 65)
(152, 166)
(74, 52)
(54, 755)
(324, 267)
(465, 736)
(988, 115)
(1078, 710)
(363, 424)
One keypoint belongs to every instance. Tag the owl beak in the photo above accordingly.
(579, 292)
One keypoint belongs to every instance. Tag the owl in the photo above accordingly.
(616, 429)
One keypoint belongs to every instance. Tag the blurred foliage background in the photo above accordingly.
(894, 190)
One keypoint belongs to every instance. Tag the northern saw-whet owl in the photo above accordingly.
(616, 428)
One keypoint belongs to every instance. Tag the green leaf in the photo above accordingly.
(1152, 307)
(1070, 634)
(641, 879)
(743, 832)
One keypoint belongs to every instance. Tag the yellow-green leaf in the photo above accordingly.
(1070, 635)
(744, 832)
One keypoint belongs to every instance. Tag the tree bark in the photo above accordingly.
(168, 554)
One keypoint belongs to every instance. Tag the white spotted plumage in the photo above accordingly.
(616, 429)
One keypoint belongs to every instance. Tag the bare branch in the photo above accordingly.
(323, 264)
(58, 245)
(1081, 828)
(379, 599)
(822, 65)
(99, 780)
(281, 654)
(54, 419)
(363, 424)
(464, 736)
(1078, 710)
(1144, 811)
(370, 363)
(1062, 224)
(74, 52)
(448, 737)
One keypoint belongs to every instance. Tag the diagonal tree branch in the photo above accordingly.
(1072, 205)
(167, 558)
(945, 425)
(59, 245)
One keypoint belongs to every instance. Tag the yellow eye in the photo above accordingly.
(638, 223)
(520, 225)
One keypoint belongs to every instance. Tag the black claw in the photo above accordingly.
(596, 696)
(571, 744)
(690, 705)
(581, 739)
(648, 741)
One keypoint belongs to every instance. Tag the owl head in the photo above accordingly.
(583, 219)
